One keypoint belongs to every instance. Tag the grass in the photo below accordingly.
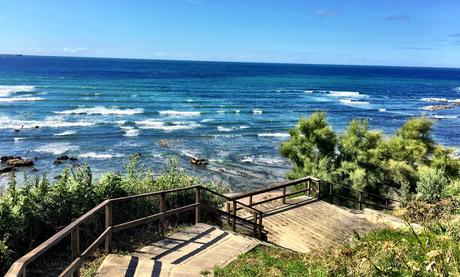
(434, 251)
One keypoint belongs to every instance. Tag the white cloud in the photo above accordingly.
(70, 50)
(327, 13)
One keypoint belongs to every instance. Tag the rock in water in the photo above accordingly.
(198, 161)
(62, 158)
(19, 162)
(6, 158)
(73, 159)
(6, 169)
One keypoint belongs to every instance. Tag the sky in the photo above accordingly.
(386, 32)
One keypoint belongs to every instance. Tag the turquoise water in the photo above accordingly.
(234, 114)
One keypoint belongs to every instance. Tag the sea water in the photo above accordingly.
(233, 114)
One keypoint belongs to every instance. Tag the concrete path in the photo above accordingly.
(190, 252)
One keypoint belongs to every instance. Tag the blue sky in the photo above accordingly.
(387, 32)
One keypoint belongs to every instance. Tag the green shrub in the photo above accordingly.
(366, 160)
(431, 184)
(34, 211)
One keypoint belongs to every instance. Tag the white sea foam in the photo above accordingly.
(12, 123)
(244, 127)
(433, 99)
(457, 89)
(8, 90)
(20, 99)
(102, 111)
(257, 111)
(189, 153)
(444, 116)
(65, 133)
(261, 160)
(308, 91)
(99, 156)
(237, 111)
(352, 102)
(17, 140)
(221, 111)
(224, 129)
(159, 125)
(179, 113)
(355, 94)
(130, 131)
(57, 148)
(207, 120)
(278, 135)
(189, 100)
(382, 110)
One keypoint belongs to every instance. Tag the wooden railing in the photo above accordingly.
(19, 268)
(315, 186)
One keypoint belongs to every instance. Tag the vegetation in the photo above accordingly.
(32, 212)
(408, 162)
(432, 251)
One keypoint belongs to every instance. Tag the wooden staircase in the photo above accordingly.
(291, 215)
(190, 252)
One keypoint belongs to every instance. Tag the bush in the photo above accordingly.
(34, 211)
(366, 160)
(431, 184)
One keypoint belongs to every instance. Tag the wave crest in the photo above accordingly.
(8, 90)
(102, 111)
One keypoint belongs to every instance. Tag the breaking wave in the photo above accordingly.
(8, 90)
(102, 111)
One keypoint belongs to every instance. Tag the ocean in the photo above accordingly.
(233, 114)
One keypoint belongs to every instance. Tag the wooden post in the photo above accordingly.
(197, 209)
(227, 206)
(250, 201)
(108, 223)
(309, 188)
(254, 219)
(260, 226)
(319, 189)
(162, 210)
(234, 216)
(330, 193)
(360, 200)
(284, 195)
(75, 246)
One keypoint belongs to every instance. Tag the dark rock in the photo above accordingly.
(57, 162)
(19, 162)
(17, 130)
(6, 169)
(34, 170)
(198, 161)
(36, 127)
(62, 158)
(6, 158)
(73, 159)
(57, 177)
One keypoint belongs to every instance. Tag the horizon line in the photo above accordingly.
(18, 55)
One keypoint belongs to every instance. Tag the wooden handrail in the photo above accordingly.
(276, 187)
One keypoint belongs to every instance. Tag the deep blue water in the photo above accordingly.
(234, 114)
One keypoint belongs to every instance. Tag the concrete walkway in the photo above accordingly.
(190, 252)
